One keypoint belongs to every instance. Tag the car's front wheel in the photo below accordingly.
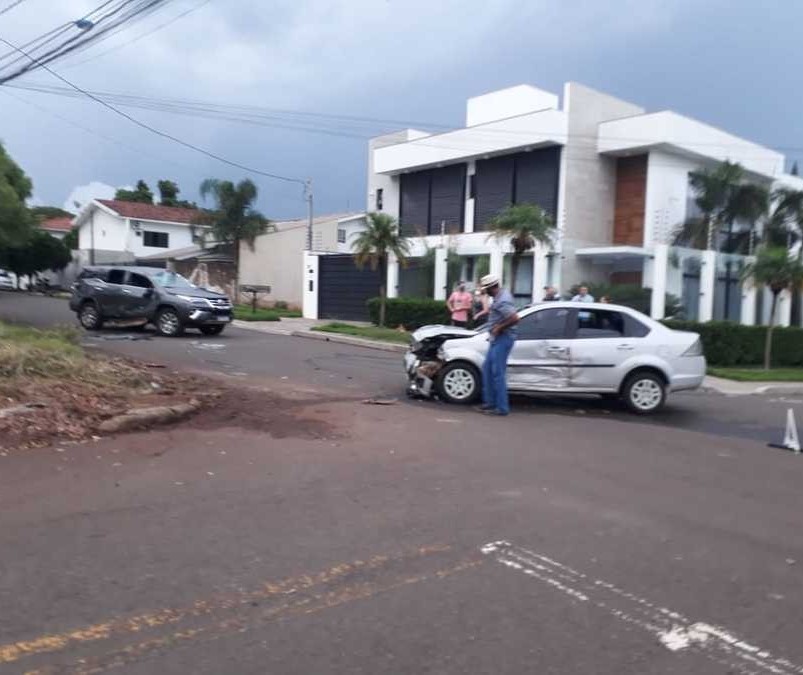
(458, 382)
(89, 316)
(644, 393)
(168, 322)
(215, 329)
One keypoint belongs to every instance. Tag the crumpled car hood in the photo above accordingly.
(426, 332)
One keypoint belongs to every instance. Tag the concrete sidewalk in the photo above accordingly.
(735, 388)
(303, 328)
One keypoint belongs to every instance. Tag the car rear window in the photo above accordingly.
(89, 273)
(115, 277)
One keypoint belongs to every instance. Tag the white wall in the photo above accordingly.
(388, 184)
(277, 258)
(179, 236)
(667, 195)
(688, 136)
(352, 227)
(110, 232)
(530, 130)
(497, 105)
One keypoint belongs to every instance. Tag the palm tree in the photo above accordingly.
(779, 271)
(723, 198)
(372, 247)
(784, 225)
(523, 226)
(233, 219)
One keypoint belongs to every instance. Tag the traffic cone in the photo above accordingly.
(791, 440)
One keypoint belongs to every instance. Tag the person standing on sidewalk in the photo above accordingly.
(459, 303)
(502, 322)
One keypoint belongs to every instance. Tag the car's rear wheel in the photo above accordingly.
(168, 322)
(644, 393)
(212, 330)
(458, 382)
(89, 316)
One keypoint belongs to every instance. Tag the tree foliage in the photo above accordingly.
(15, 187)
(168, 195)
(37, 253)
(723, 197)
(141, 194)
(775, 268)
(374, 245)
(47, 212)
(523, 226)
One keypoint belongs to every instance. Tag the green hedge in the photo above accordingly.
(411, 313)
(731, 344)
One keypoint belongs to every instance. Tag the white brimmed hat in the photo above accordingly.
(489, 280)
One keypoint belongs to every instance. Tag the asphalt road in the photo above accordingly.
(413, 538)
(245, 353)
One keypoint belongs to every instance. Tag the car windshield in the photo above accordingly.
(171, 280)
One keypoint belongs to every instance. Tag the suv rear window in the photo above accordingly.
(115, 277)
(89, 273)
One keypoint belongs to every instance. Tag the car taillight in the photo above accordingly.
(696, 349)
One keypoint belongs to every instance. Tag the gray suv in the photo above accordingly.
(147, 295)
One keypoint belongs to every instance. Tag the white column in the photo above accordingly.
(660, 268)
(310, 281)
(748, 316)
(708, 274)
(392, 281)
(468, 216)
(440, 274)
(496, 264)
(540, 279)
(784, 310)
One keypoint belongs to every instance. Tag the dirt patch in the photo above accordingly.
(258, 410)
(72, 408)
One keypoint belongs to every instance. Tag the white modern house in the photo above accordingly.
(113, 231)
(614, 177)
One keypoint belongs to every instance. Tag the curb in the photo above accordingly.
(348, 340)
(261, 327)
(775, 388)
(137, 418)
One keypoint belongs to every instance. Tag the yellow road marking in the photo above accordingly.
(15, 651)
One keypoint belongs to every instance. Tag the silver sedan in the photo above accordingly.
(564, 348)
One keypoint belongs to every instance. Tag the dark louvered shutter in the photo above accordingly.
(414, 203)
(537, 178)
(494, 189)
(448, 199)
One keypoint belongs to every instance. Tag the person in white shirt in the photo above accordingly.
(583, 295)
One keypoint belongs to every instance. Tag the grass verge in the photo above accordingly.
(758, 374)
(245, 313)
(367, 332)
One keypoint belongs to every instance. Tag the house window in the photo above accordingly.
(341, 236)
(156, 239)
(379, 196)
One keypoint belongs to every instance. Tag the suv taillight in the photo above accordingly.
(695, 350)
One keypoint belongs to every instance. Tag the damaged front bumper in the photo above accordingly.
(421, 375)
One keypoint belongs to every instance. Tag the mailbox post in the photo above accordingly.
(254, 290)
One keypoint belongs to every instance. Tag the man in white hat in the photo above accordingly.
(502, 321)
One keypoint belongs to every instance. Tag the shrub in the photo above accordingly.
(731, 344)
(411, 313)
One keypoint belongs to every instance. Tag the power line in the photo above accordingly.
(157, 131)
(11, 6)
(141, 36)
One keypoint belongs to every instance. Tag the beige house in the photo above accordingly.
(277, 257)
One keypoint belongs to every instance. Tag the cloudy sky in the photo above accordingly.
(732, 63)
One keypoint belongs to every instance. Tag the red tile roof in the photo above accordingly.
(57, 224)
(173, 214)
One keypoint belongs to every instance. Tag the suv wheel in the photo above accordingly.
(168, 322)
(90, 317)
(215, 329)
(644, 393)
(458, 382)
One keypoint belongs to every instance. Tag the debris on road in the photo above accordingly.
(381, 401)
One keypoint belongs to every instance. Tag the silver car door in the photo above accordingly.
(600, 347)
(540, 359)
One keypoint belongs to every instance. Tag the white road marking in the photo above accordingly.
(672, 629)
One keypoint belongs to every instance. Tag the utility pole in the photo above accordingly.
(308, 195)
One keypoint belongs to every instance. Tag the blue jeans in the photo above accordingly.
(494, 385)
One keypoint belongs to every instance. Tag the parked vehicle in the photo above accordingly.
(148, 295)
(564, 348)
(6, 283)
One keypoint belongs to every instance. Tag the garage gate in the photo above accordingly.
(344, 289)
